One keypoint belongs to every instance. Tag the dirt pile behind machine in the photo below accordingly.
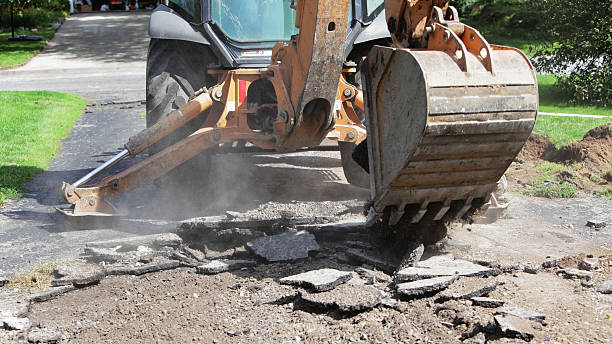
(445, 112)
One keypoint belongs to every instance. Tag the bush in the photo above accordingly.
(32, 13)
(579, 36)
(52, 5)
(506, 13)
(30, 17)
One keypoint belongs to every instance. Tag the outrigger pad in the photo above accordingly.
(88, 221)
(437, 134)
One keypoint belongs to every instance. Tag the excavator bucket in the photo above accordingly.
(443, 128)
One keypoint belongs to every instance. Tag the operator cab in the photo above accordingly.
(242, 33)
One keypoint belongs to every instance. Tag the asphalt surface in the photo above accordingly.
(100, 56)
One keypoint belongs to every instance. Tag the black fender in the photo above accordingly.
(166, 23)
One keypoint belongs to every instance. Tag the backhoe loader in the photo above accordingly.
(426, 112)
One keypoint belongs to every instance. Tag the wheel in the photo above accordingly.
(175, 71)
(353, 172)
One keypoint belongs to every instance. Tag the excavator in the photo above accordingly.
(426, 112)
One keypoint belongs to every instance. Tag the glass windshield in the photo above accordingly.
(372, 5)
(255, 20)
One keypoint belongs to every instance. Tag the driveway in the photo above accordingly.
(100, 56)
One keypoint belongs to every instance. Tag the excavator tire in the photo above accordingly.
(175, 71)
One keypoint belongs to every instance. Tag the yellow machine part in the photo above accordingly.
(440, 135)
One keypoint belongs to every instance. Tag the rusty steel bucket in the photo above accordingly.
(441, 133)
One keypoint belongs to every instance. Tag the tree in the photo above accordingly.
(579, 36)
(12, 4)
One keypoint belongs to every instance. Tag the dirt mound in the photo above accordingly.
(595, 150)
(535, 147)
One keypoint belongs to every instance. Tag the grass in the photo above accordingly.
(37, 278)
(606, 193)
(545, 185)
(563, 190)
(553, 100)
(31, 125)
(563, 130)
(548, 170)
(17, 53)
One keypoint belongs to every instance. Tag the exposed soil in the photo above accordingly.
(589, 158)
(535, 147)
(594, 151)
(249, 305)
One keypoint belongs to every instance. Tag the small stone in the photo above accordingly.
(588, 264)
(605, 287)
(480, 338)
(587, 284)
(522, 313)
(426, 286)
(319, 280)
(284, 247)
(532, 269)
(78, 273)
(444, 265)
(15, 324)
(514, 327)
(575, 273)
(487, 302)
(44, 335)
(223, 265)
(596, 224)
(549, 263)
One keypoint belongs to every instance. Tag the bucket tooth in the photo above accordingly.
(445, 208)
(440, 135)
(421, 213)
(397, 214)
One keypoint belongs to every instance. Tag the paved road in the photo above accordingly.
(100, 56)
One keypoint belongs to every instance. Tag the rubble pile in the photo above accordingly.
(354, 277)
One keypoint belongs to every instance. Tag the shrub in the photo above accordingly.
(505, 13)
(579, 35)
(30, 17)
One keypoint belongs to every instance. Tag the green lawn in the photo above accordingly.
(31, 125)
(563, 130)
(553, 100)
(17, 53)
